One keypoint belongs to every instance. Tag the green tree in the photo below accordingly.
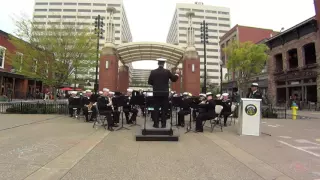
(246, 60)
(52, 52)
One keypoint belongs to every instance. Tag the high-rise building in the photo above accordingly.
(83, 13)
(218, 20)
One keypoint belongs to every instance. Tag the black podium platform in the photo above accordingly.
(157, 134)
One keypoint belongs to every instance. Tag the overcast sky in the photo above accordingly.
(150, 19)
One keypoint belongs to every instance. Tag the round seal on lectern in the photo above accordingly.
(251, 110)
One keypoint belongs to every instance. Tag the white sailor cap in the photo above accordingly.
(218, 95)
(88, 91)
(144, 93)
(161, 59)
(129, 90)
(84, 92)
(203, 95)
(254, 85)
(112, 93)
(225, 94)
(73, 92)
(185, 94)
(105, 90)
(100, 92)
(209, 94)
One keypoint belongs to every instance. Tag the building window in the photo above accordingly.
(19, 57)
(222, 31)
(54, 16)
(34, 65)
(310, 54)
(84, 10)
(212, 24)
(41, 3)
(224, 19)
(114, 5)
(293, 58)
(199, 17)
(214, 57)
(56, 3)
(39, 16)
(70, 4)
(225, 13)
(99, 11)
(55, 10)
(183, 22)
(99, 4)
(197, 10)
(209, 17)
(184, 9)
(182, 28)
(2, 56)
(69, 10)
(84, 17)
(279, 63)
(209, 11)
(84, 4)
(69, 17)
(40, 10)
(182, 41)
(224, 25)
(116, 18)
(117, 38)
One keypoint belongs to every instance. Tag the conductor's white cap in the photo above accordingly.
(209, 94)
(225, 94)
(112, 93)
(129, 90)
(255, 85)
(202, 95)
(105, 90)
(161, 59)
(218, 95)
(100, 92)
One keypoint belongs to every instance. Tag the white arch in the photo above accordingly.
(136, 51)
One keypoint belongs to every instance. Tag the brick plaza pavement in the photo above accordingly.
(58, 147)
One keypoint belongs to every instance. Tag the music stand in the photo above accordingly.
(176, 102)
(121, 102)
(137, 99)
(189, 127)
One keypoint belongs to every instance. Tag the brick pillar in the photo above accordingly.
(175, 86)
(24, 87)
(123, 83)
(191, 71)
(108, 70)
(272, 89)
(317, 10)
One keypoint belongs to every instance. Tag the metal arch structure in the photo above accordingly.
(137, 51)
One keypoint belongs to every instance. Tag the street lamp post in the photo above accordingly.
(221, 64)
(204, 40)
(99, 31)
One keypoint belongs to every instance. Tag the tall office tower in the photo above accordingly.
(83, 13)
(218, 20)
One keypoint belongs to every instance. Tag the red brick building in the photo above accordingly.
(19, 85)
(293, 64)
(244, 34)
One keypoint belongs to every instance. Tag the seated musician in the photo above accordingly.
(143, 107)
(129, 108)
(74, 102)
(206, 111)
(195, 111)
(105, 108)
(87, 105)
(184, 109)
(226, 104)
(116, 112)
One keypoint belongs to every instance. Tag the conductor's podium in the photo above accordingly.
(149, 133)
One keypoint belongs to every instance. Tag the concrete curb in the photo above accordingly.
(259, 167)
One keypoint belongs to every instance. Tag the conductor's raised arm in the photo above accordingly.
(150, 80)
(174, 77)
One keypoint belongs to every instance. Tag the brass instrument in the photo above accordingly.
(90, 106)
(110, 102)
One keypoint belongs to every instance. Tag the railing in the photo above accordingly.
(303, 105)
(35, 107)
